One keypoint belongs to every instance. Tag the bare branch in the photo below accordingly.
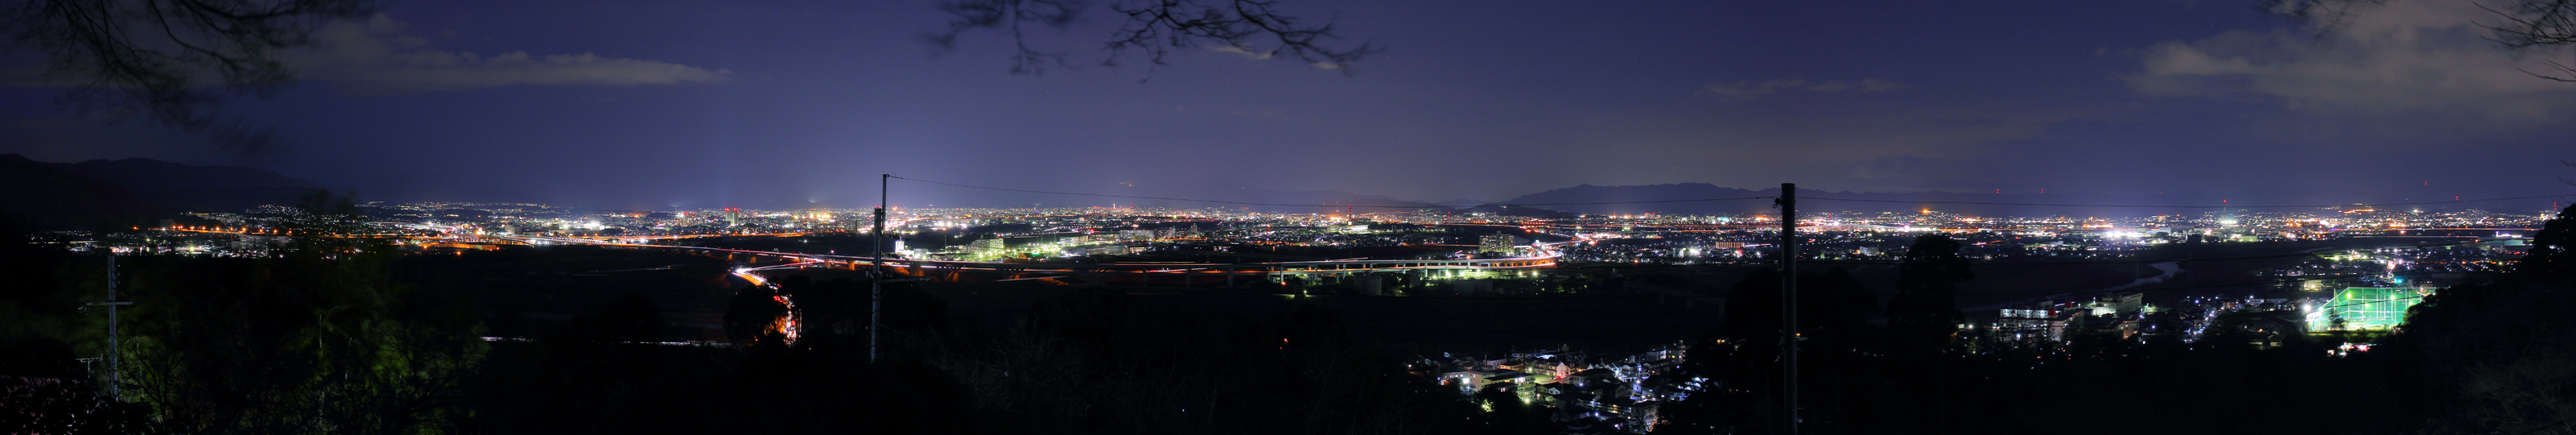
(2565, 73)
(2525, 26)
(2531, 26)
(1160, 26)
(1008, 16)
(149, 58)
(1154, 29)
(2325, 14)
(2536, 23)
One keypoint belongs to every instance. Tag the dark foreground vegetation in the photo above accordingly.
(341, 336)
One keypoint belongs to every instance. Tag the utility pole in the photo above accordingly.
(114, 389)
(1789, 296)
(876, 270)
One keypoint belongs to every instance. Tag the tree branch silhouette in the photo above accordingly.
(172, 62)
(2523, 26)
(1155, 29)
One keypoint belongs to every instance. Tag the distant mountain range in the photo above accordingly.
(105, 194)
(1221, 194)
(41, 197)
(1701, 198)
(128, 192)
(190, 188)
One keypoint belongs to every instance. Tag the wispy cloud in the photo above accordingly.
(1746, 90)
(1246, 53)
(2401, 56)
(377, 56)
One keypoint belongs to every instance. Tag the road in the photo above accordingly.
(956, 270)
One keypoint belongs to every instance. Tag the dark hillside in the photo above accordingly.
(189, 188)
(48, 199)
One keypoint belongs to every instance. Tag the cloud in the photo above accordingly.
(1745, 90)
(1889, 167)
(377, 56)
(1246, 53)
(2403, 56)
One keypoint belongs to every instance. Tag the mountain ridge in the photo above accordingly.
(1704, 198)
(191, 188)
(42, 197)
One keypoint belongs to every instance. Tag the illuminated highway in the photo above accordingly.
(958, 270)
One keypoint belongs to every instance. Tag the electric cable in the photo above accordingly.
(1607, 298)
(1323, 205)
(2178, 206)
(2129, 261)
(2239, 313)
(1729, 199)
(1489, 331)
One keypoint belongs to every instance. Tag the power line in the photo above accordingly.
(2138, 261)
(2048, 263)
(1321, 205)
(1724, 199)
(2239, 313)
(2319, 278)
(1216, 201)
(1488, 331)
(1475, 298)
(1668, 297)
(2183, 206)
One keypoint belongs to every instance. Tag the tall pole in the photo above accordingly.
(1789, 296)
(114, 376)
(876, 284)
(113, 388)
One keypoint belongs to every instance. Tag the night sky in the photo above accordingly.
(664, 104)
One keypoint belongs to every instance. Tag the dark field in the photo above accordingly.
(527, 291)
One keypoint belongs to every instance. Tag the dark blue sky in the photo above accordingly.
(659, 104)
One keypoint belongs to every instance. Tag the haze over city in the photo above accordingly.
(662, 105)
(1288, 217)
